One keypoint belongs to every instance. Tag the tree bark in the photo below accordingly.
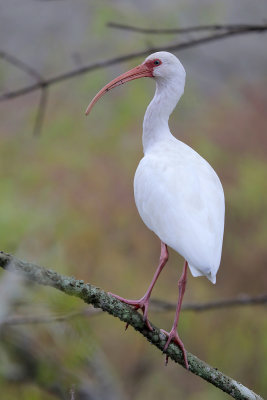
(100, 299)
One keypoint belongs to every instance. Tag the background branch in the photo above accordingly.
(29, 70)
(242, 300)
(116, 60)
(100, 299)
(189, 29)
(41, 111)
(155, 306)
(42, 84)
(44, 319)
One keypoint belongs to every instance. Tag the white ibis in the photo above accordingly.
(177, 193)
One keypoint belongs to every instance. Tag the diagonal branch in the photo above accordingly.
(100, 299)
(117, 60)
(189, 29)
(40, 81)
(21, 65)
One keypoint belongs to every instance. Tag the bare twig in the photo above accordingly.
(243, 300)
(72, 393)
(189, 29)
(40, 81)
(40, 111)
(155, 306)
(21, 65)
(100, 299)
(44, 319)
(116, 60)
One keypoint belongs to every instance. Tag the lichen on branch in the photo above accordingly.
(100, 299)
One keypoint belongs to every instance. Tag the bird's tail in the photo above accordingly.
(205, 272)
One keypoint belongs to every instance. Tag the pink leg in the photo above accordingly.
(144, 301)
(173, 335)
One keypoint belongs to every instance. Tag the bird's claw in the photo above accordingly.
(173, 336)
(142, 304)
(146, 321)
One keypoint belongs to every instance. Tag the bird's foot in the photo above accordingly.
(173, 336)
(141, 303)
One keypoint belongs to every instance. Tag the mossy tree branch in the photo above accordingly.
(100, 299)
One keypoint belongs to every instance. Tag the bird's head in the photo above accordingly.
(161, 66)
(164, 65)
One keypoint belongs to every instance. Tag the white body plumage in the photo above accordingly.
(180, 198)
(177, 193)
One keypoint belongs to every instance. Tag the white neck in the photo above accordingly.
(155, 125)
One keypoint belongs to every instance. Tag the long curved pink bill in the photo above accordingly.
(140, 71)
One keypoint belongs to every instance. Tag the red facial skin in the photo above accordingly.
(151, 64)
(141, 71)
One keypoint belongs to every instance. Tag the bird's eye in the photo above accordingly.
(157, 62)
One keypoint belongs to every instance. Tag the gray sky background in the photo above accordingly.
(57, 35)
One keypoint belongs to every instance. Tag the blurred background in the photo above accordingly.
(67, 199)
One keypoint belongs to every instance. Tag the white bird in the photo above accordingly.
(177, 193)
